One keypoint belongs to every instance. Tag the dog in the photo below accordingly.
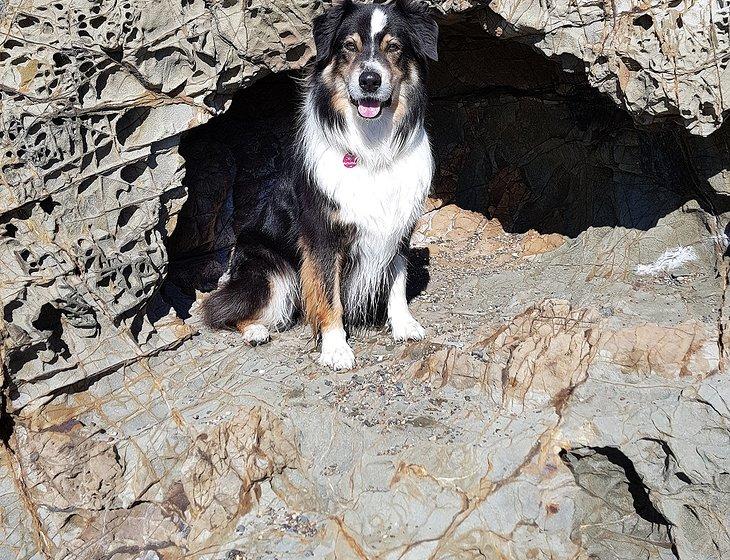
(330, 241)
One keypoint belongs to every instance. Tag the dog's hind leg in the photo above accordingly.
(258, 294)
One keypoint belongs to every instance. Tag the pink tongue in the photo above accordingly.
(368, 109)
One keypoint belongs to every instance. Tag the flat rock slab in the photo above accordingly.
(563, 405)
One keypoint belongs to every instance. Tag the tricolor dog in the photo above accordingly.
(331, 240)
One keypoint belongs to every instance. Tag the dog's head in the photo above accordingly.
(374, 56)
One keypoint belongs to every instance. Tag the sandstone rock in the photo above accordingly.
(19, 526)
(536, 244)
(219, 478)
(114, 86)
(570, 400)
(662, 475)
(685, 349)
(542, 355)
(69, 466)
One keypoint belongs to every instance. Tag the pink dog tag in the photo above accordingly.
(349, 161)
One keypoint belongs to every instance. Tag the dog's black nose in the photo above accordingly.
(370, 81)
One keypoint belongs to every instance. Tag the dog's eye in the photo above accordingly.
(350, 46)
(392, 48)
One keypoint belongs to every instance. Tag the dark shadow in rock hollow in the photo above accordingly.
(515, 137)
(7, 422)
(537, 148)
(615, 507)
(244, 146)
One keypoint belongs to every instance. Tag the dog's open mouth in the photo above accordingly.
(370, 108)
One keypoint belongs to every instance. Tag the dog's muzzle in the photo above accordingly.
(370, 101)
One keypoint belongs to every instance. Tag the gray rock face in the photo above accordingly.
(571, 400)
(94, 97)
(656, 59)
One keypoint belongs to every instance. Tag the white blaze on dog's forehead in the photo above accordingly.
(378, 22)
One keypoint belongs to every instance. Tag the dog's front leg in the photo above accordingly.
(321, 270)
(402, 323)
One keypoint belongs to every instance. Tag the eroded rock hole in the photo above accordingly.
(131, 121)
(48, 204)
(49, 320)
(26, 21)
(7, 422)
(125, 214)
(645, 22)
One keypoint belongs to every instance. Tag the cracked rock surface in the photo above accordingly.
(571, 397)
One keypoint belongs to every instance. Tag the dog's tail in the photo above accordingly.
(230, 304)
(261, 287)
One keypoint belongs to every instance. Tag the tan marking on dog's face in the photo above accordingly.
(391, 47)
(353, 41)
(400, 95)
(332, 77)
(340, 97)
(342, 69)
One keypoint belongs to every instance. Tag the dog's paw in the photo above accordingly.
(255, 334)
(337, 355)
(407, 328)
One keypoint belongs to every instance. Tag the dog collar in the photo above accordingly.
(350, 160)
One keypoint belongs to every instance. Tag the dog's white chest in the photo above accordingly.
(383, 203)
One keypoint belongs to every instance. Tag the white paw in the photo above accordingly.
(337, 355)
(406, 328)
(256, 334)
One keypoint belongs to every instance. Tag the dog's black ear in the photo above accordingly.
(325, 28)
(422, 27)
